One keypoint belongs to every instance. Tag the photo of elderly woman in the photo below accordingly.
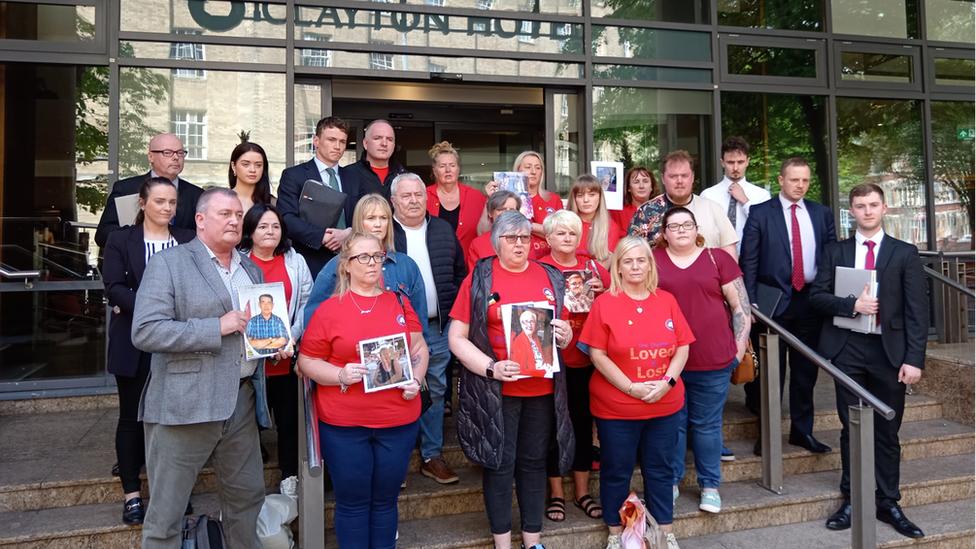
(530, 333)
(386, 361)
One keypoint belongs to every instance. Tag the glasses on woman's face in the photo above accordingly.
(365, 258)
(513, 238)
(687, 225)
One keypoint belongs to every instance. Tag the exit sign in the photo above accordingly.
(966, 133)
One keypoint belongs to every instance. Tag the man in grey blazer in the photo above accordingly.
(203, 398)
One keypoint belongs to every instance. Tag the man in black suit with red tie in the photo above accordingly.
(780, 245)
(883, 363)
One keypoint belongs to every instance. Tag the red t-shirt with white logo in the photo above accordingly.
(532, 284)
(333, 334)
(540, 211)
(572, 356)
(641, 346)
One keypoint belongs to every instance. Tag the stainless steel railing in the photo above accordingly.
(951, 298)
(311, 481)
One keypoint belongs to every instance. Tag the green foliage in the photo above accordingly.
(141, 90)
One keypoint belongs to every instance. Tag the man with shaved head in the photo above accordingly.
(377, 168)
(166, 155)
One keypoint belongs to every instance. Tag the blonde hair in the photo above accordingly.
(626, 244)
(442, 148)
(598, 244)
(542, 176)
(562, 218)
(359, 215)
(343, 280)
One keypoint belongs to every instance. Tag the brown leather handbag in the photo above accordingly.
(748, 368)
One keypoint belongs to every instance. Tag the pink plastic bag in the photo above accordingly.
(639, 526)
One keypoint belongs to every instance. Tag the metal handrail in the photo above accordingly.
(19, 274)
(311, 431)
(883, 409)
(949, 282)
(958, 253)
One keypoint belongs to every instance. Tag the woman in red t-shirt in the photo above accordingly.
(600, 235)
(366, 438)
(703, 280)
(638, 341)
(543, 202)
(564, 229)
(498, 202)
(265, 243)
(640, 187)
(532, 407)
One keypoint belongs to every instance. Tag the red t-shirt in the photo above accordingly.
(572, 356)
(697, 289)
(532, 284)
(274, 271)
(334, 334)
(613, 236)
(381, 173)
(622, 217)
(480, 247)
(541, 210)
(641, 345)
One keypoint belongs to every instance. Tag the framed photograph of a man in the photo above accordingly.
(387, 361)
(530, 338)
(611, 176)
(268, 329)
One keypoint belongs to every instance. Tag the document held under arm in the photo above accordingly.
(320, 205)
(850, 282)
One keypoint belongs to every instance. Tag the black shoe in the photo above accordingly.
(897, 519)
(134, 512)
(189, 509)
(841, 520)
(115, 469)
(809, 443)
(757, 449)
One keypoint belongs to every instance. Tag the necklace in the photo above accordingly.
(640, 308)
(361, 311)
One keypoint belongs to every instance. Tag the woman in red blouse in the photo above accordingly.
(640, 187)
(458, 204)
(366, 438)
(638, 341)
(599, 236)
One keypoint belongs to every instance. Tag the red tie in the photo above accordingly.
(869, 259)
(798, 281)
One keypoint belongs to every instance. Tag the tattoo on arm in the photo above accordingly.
(739, 316)
(415, 360)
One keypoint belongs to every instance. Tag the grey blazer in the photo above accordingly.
(195, 372)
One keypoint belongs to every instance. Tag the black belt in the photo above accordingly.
(242, 381)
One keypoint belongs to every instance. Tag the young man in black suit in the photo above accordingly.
(319, 244)
(780, 245)
(166, 156)
(883, 363)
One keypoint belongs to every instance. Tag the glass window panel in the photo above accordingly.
(439, 31)
(884, 18)
(651, 44)
(640, 126)
(676, 11)
(653, 74)
(47, 22)
(561, 7)
(567, 131)
(155, 100)
(880, 141)
(778, 127)
(954, 72)
(805, 15)
(772, 61)
(876, 67)
(950, 20)
(458, 65)
(308, 112)
(954, 163)
(201, 52)
(213, 17)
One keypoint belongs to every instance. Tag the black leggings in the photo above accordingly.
(283, 402)
(130, 447)
(578, 395)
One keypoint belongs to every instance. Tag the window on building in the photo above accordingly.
(191, 128)
(188, 51)
(434, 67)
(304, 134)
(315, 57)
(381, 61)
(525, 33)
(486, 4)
(435, 3)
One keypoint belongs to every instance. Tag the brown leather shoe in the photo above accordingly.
(438, 469)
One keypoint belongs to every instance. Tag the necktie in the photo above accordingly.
(869, 258)
(798, 281)
(733, 203)
(334, 184)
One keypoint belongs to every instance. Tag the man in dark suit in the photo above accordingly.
(790, 226)
(166, 155)
(316, 243)
(883, 363)
(377, 168)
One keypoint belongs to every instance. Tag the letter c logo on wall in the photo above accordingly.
(216, 23)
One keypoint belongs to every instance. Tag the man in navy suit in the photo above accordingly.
(319, 244)
(781, 242)
(881, 363)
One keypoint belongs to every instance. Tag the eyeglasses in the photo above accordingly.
(513, 238)
(364, 258)
(687, 225)
(168, 153)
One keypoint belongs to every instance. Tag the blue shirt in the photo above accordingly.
(399, 272)
(266, 328)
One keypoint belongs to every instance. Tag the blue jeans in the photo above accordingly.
(705, 394)
(367, 467)
(432, 422)
(619, 442)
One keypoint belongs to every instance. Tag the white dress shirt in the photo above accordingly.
(861, 252)
(176, 182)
(720, 194)
(808, 239)
(322, 166)
(417, 251)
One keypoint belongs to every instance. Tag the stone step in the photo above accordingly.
(746, 506)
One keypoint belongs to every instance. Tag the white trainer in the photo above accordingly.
(613, 541)
(289, 487)
(672, 542)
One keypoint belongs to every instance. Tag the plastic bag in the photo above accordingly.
(276, 515)
(639, 526)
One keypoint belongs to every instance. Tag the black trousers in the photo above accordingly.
(283, 402)
(130, 446)
(863, 358)
(578, 393)
(804, 322)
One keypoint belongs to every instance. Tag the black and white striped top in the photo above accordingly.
(154, 246)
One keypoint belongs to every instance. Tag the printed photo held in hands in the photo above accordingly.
(517, 183)
(530, 338)
(268, 329)
(387, 361)
(579, 295)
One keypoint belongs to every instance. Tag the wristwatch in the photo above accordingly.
(490, 370)
(671, 381)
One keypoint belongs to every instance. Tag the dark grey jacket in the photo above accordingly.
(480, 420)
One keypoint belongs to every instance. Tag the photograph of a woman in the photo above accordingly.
(386, 363)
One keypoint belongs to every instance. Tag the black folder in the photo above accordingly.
(320, 204)
(767, 298)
